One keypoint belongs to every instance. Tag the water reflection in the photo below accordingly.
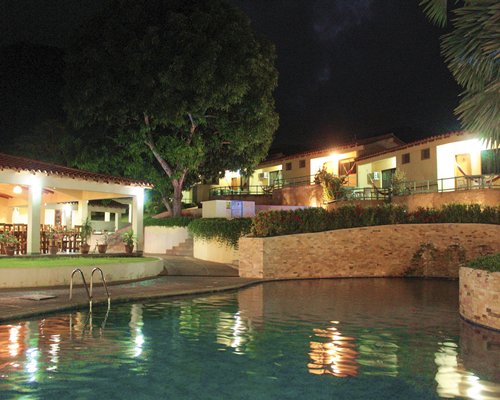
(337, 356)
(453, 379)
(259, 337)
(136, 323)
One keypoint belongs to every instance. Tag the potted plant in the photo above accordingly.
(53, 247)
(9, 242)
(85, 233)
(128, 239)
(103, 246)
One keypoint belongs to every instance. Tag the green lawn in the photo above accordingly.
(43, 262)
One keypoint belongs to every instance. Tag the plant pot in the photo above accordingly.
(129, 249)
(10, 250)
(101, 248)
(53, 249)
(85, 248)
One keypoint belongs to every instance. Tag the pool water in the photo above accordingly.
(315, 339)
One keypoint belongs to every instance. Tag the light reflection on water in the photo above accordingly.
(382, 338)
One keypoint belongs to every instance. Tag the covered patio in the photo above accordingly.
(37, 198)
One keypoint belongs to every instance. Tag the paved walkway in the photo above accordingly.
(185, 276)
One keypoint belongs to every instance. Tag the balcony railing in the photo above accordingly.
(371, 193)
(237, 191)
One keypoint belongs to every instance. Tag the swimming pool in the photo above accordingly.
(342, 339)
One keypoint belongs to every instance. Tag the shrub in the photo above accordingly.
(461, 213)
(273, 223)
(425, 216)
(168, 222)
(225, 231)
(489, 263)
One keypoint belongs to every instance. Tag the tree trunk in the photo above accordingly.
(177, 199)
(167, 204)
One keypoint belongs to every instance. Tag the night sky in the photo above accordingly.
(347, 68)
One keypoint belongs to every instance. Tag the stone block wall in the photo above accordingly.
(480, 297)
(379, 251)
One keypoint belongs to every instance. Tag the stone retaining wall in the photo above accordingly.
(480, 297)
(433, 250)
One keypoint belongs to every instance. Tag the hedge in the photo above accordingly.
(168, 222)
(225, 231)
(488, 263)
(274, 223)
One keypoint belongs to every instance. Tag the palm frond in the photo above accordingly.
(436, 11)
(472, 52)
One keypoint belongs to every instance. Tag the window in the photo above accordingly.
(345, 167)
(405, 158)
(288, 166)
(425, 154)
(490, 162)
(302, 163)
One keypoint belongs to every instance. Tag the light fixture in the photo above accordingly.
(17, 189)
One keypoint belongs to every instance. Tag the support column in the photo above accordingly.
(130, 213)
(117, 221)
(107, 216)
(137, 217)
(34, 206)
(83, 210)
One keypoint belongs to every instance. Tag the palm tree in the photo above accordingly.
(472, 52)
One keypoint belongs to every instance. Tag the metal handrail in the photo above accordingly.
(89, 294)
(103, 282)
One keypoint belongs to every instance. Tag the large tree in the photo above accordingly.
(185, 82)
(472, 50)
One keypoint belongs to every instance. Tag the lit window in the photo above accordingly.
(425, 154)
(405, 158)
(288, 166)
(302, 163)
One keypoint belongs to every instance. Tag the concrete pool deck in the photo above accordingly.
(182, 276)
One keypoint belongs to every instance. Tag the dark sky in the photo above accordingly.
(348, 68)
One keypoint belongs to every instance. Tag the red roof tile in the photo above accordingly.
(26, 164)
(344, 146)
(416, 143)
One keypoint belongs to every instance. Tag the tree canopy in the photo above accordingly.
(185, 84)
(471, 51)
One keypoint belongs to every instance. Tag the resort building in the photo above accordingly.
(296, 169)
(454, 160)
(35, 196)
(447, 162)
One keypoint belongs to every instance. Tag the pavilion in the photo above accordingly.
(34, 194)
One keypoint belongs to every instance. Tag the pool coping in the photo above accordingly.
(80, 300)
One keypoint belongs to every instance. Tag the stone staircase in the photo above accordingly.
(182, 249)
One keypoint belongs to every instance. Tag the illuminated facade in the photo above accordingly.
(36, 193)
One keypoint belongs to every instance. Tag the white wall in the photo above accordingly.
(159, 239)
(211, 250)
(59, 276)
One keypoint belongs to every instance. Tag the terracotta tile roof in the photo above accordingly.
(26, 164)
(344, 146)
(429, 139)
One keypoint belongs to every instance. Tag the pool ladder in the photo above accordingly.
(89, 292)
